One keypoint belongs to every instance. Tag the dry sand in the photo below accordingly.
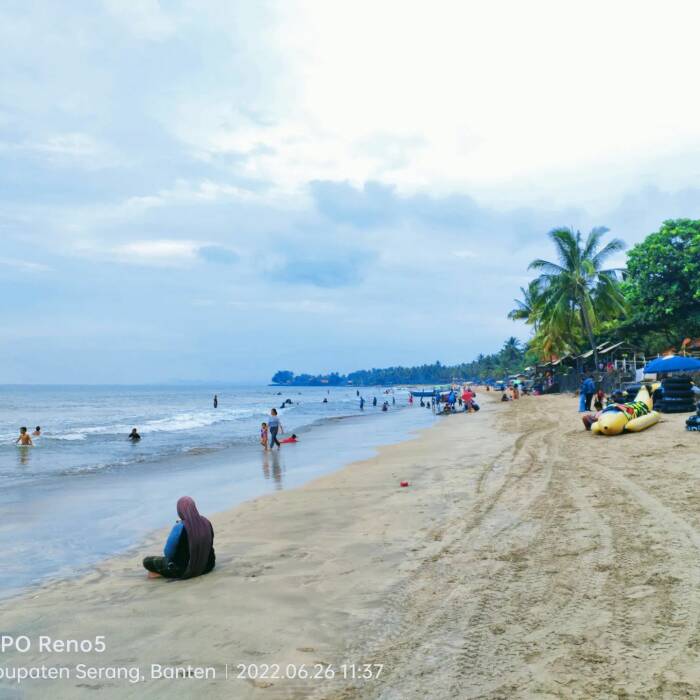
(527, 558)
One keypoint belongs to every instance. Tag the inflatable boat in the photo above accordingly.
(629, 417)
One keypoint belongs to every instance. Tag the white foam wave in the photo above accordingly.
(170, 424)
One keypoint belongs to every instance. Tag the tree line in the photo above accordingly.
(574, 304)
(508, 360)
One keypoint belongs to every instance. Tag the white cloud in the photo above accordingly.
(157, 252)
(70, 149)
(24, 265)
(509, 100)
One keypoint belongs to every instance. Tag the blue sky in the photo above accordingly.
(216, 190)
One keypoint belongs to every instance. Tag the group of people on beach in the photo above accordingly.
(511, 393)
(270, 429)
(189, 548)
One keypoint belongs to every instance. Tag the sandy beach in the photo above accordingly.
(527, 558)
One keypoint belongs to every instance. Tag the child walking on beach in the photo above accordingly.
(263, 435)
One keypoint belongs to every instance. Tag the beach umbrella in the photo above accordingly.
(672, 363)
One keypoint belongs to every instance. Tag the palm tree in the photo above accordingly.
(578, 285)
(510, 354)
(527, 309)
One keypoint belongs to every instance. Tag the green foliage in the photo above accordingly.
(284, 376)
(571, 299)
(662, 285)
(508, 360)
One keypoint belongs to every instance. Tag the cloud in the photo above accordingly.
(331, 271)
(24, 265)
(369, 205)
(229, 161)
(218, 254)
(145, 19)
(157, 252)
(68, 150)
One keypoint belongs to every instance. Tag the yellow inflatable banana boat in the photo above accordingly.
(627, 417)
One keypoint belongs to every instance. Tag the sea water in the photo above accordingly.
(85, 491)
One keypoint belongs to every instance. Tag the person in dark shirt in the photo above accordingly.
(588, 388)
(189, 549)
(134, 435)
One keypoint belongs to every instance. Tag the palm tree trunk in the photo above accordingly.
(589, 332)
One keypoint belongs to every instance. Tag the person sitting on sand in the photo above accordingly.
(189, 549)
(264, 435)
(24, 438)
(134, 435)
(286, 441)
(37, 431)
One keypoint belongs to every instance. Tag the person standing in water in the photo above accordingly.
(274, 427)
(362, 403)
(374, 401)
(24, 438)
(134, 435)
(216, 401)
(37, 431)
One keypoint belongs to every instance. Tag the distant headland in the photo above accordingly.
(509, 359)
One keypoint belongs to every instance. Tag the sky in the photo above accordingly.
(214, 190)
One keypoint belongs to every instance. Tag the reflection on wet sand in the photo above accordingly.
(276, 472)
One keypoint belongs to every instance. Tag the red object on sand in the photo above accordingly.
(404, 483)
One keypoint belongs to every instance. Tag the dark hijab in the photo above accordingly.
(200, 536)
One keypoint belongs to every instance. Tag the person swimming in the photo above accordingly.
(134, 435)
(288, 440)
(37, 431)
(24, 439)
(189, 549)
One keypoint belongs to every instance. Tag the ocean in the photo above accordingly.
(85, 492)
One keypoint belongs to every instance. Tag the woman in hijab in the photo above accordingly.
(189, 550)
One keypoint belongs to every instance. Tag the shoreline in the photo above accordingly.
(526, 558)
(120, 577)
(220, 480)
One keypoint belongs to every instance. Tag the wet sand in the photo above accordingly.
(527, 558)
